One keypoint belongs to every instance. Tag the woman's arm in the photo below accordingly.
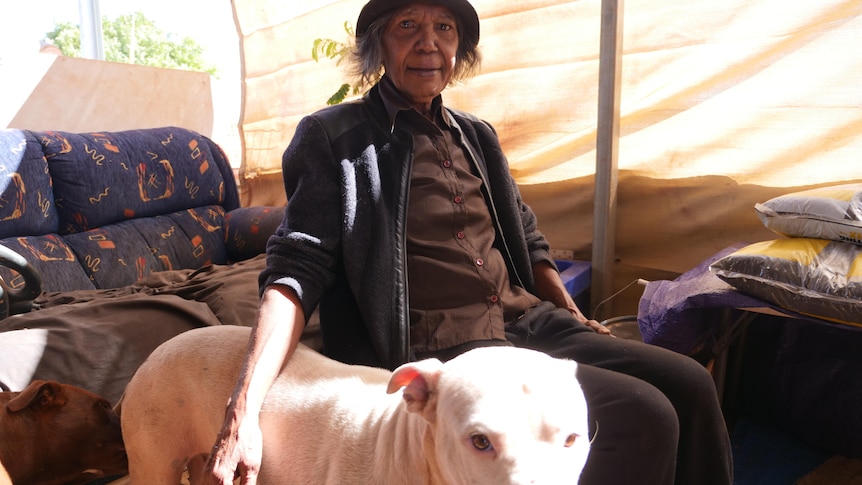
(274, 337)
(550, 287)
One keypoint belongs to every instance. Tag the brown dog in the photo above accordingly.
(53, 433)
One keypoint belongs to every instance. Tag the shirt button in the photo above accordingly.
(494, 298)
(446, 163)
(461, 235)
(480, 262)
(458, 199)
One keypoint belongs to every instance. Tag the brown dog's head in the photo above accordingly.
(77, 433)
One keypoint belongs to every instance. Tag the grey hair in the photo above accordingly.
(366, 55)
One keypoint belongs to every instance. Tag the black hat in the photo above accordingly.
(462, 8)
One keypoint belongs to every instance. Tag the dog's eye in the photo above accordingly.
(481, 442)
(570, 440)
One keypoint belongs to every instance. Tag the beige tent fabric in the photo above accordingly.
(724, 104)
(536, 78)
(49, 92)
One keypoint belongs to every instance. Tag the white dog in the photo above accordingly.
(496, 416)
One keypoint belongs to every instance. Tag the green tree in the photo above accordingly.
(134, 39)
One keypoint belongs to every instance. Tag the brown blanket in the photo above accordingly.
(96, 339)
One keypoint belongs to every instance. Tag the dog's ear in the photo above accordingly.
(43, 393)
(419, 379)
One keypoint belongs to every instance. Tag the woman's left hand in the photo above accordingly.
(598, 327)
(593, 324)
(549, 287)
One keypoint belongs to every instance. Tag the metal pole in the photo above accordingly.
(607, 142)
(91, 29)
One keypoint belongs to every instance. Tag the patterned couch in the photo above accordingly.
(136, 236)
(102, 210)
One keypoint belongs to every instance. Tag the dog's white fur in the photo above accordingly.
(496, 415)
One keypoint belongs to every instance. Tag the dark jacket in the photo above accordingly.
(342, 242)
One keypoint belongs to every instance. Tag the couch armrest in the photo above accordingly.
(247, 230)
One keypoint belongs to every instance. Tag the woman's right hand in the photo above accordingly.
(239, 446)
(238, 451)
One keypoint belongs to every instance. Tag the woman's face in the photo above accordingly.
(419, 47)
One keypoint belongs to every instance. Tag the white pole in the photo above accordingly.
(91, 29)
(608, 129)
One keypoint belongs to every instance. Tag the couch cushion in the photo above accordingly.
(52, 258)
(26, 200)
(105, 178)
(248, 229)
(119, 254)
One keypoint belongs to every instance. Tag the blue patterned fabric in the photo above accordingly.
(52, 258)
(248, 229)
(102, 210)
(119, 254)
(26, 199)
(103, 178)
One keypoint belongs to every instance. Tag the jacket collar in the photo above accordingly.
(394, 102)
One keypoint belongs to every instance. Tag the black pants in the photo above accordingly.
(654, 414)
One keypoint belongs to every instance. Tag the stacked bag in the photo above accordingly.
(816, 270)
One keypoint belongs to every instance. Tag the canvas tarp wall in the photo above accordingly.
(51, 92)
(723, 104)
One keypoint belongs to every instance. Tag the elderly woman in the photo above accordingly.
(406, 229)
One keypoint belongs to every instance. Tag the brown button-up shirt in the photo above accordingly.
(459, 286)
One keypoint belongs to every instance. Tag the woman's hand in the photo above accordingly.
(274, 337)
(549, 287)
(238, 451)
(595, 325)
